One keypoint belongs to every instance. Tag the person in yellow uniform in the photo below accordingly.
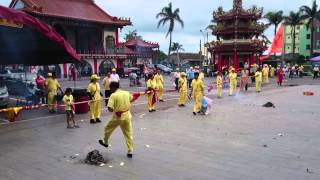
(300, 71)
(258, 79)
(183, 86)
(151, 88)
(230, 69)
(52, 86)
(94, 94)
(272, 71)
(265, 73)
(233, 82)
(120, 104)
(219, 85)
(159, 85)
(197, 89)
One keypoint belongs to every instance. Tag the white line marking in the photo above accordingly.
(46, 117)
(33, 119)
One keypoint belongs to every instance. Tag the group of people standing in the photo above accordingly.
(119, 101)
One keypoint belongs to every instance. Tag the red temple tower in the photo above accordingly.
(237, 32)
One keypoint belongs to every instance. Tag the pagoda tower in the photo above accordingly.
(237, 32)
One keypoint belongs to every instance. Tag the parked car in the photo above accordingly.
(164, 69)
(127, 71)
(22, 86)
(4, 95)
(5, 73)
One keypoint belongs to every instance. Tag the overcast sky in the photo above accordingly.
(195, 13)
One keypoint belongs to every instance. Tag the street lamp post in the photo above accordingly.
(204, 44)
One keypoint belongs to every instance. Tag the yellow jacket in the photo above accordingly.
(197, 86)
(159, 80)
(258, 76)
(219, 81)
(52, 85)
(151, 84)
(94, 90)
(183, 84)
(119, 101)
(233, 78)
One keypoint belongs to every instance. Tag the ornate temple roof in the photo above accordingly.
(237, 11)
(85, 10)
(146, 51)
(237, 45)
(139, 42)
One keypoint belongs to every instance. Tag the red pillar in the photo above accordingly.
(65, 70)
(235, 61)
(95, 66)
(219, 61)
(252, 61)
(117, 38)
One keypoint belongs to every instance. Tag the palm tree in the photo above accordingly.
(293, 20)
(311, 13)
(131, 35)
(177, 48)
(274, 18)
(169, 16)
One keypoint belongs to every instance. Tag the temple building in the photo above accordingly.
(92, 32)
(237, 32)
(139, 51)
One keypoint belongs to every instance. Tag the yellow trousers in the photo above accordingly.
(197, 105)
(126, 127)
(258, 86)
(150, 106)
(95, 109)
(266, 79)
(51, 100)
(219, 91)
(160, 92)
(233, 88)
(182, 97)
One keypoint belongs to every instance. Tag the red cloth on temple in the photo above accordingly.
(277, 43)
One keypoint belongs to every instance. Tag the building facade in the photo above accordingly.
(237, 31)
(92, 32)
(303, 40)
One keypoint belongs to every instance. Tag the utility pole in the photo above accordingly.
(206, 40)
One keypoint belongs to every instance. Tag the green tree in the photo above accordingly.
(177, 48)
(311, 14)
(293, 20)
(274, 18)
(131, 35)
(162, 56)
(167, 15)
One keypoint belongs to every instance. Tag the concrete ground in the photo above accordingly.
(239, 139)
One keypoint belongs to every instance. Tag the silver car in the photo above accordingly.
(4, 96)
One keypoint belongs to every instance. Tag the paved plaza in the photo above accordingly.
(239, 139)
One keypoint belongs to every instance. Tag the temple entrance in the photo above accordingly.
(105, 67)
(52, 68)
(84, 69)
